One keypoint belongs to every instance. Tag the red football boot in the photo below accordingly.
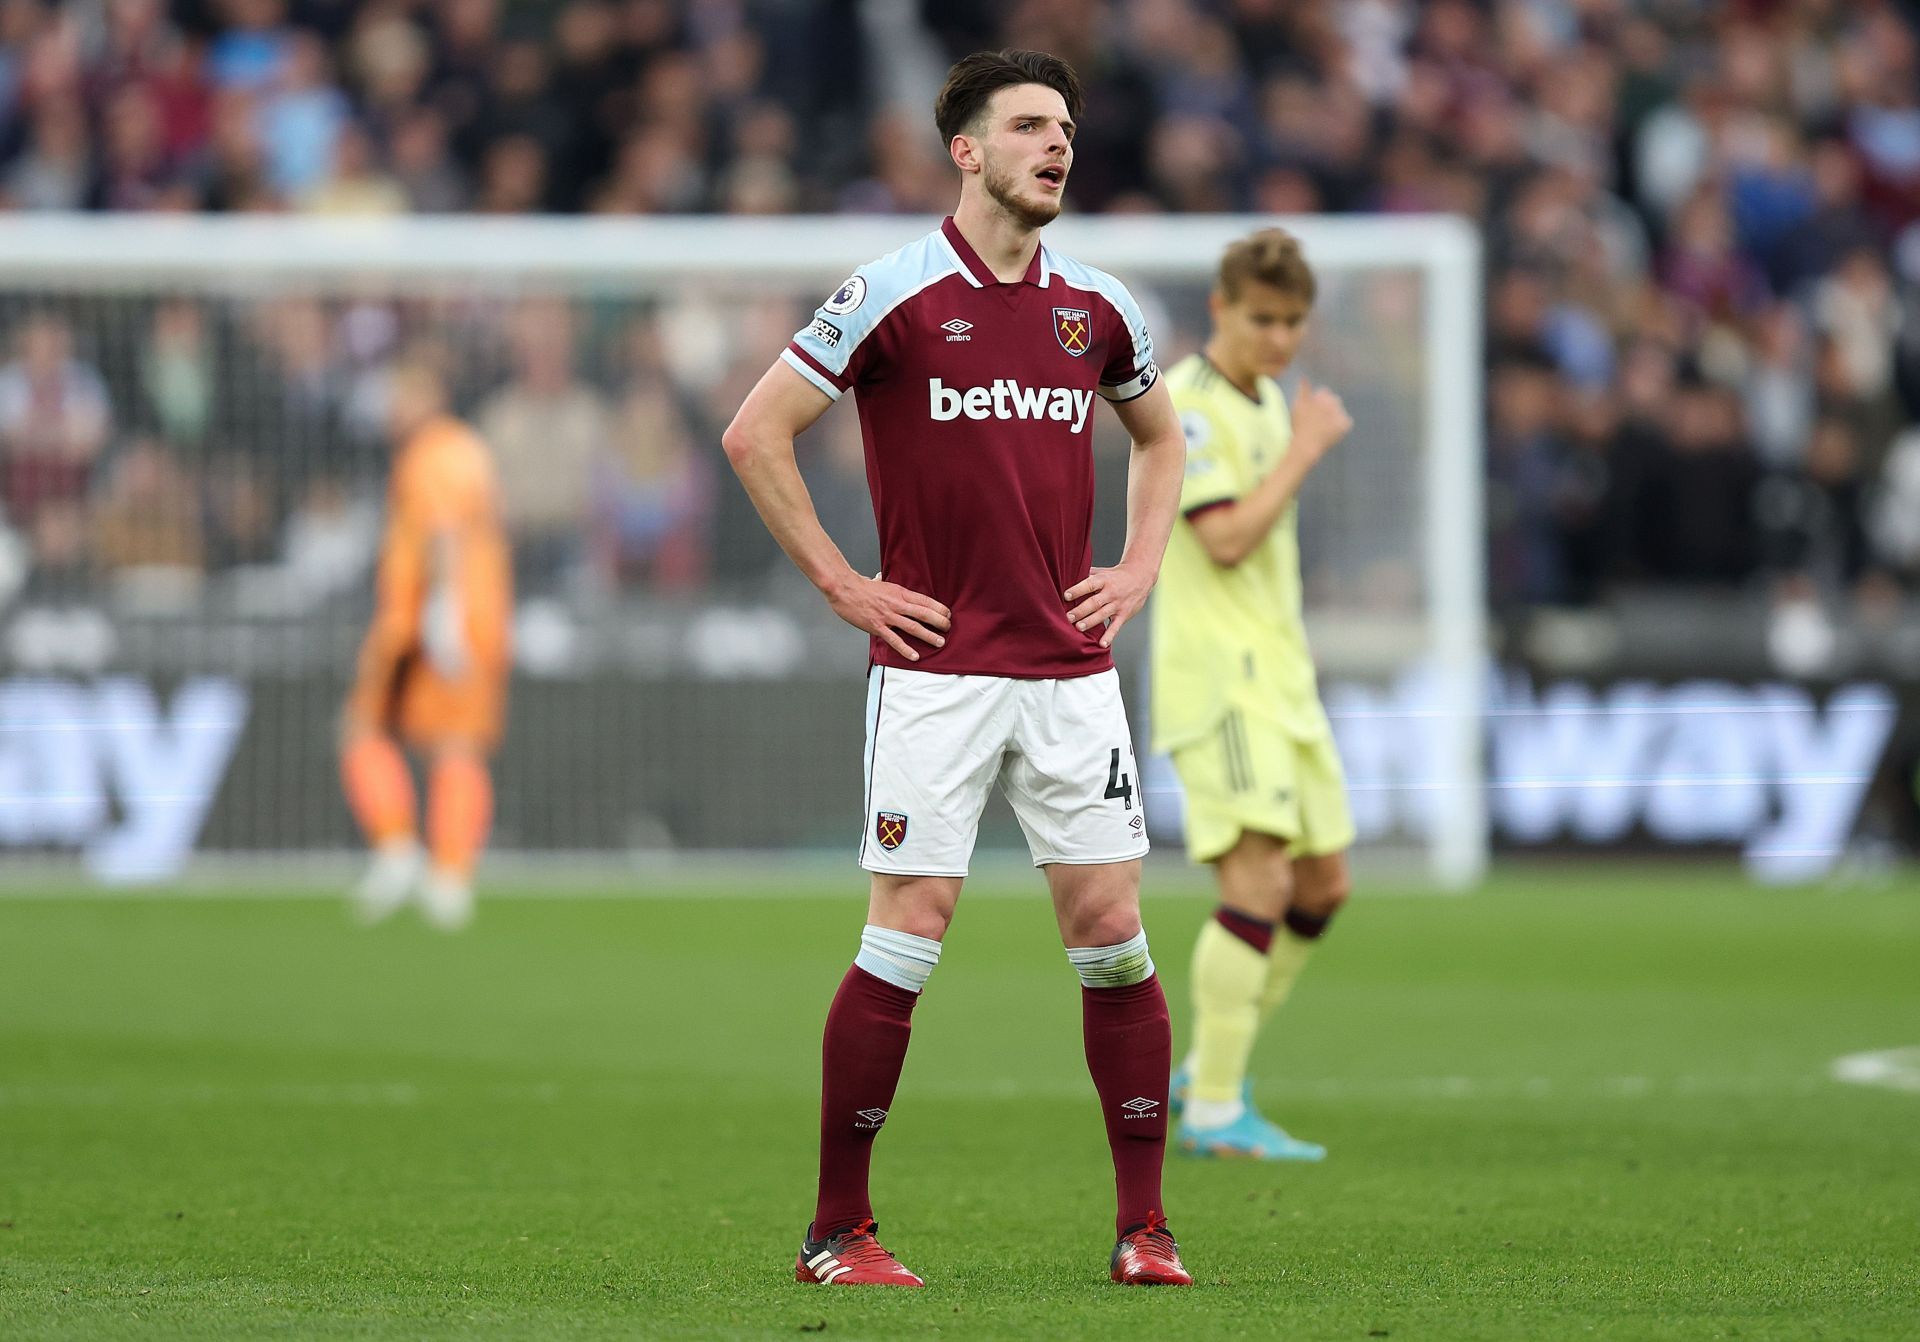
(851, 1258)
(1149, 1257)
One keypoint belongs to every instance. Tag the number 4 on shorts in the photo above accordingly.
(1118, 784)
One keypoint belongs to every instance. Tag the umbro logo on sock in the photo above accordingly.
(873, 1117)
(1141, 1106)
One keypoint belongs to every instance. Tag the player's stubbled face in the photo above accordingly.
(1026, 152)
(1264, 325)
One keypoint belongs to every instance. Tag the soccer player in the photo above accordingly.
(433, 668)
(976, 354)
(1234, 697)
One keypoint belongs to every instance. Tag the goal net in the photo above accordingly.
(192, 461)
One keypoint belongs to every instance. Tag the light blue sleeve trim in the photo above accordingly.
(802, 367)
(1145, 374)
(855, 310)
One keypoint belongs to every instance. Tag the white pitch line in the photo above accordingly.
(1887, 1068)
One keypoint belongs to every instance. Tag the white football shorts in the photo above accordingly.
(1059, 749)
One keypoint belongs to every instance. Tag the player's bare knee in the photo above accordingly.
(1258, 883)
(921, 906)
(1321, 887)
(1323, 892)
(1105, 926)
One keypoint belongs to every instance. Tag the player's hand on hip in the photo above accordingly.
(887, 611)
(1109, 596)
(1320, 420)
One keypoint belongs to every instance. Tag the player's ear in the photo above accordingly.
(965, 151)
(1216, 304)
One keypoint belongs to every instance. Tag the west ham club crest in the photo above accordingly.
(1073, 328)
(889, 829)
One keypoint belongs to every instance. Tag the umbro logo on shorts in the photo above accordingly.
(889, 829)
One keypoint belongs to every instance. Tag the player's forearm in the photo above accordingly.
(1232, 533)
(1153, 498)
(766, 467)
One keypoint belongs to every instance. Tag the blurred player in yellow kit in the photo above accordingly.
(1235, 701)
(433, 669)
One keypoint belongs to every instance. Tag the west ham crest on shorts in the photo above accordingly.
(889, 829)
(1073, 328)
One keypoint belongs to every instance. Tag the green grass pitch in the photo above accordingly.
(1586, 1103)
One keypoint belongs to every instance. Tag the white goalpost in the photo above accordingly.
(1392, 530)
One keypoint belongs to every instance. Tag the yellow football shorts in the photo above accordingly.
(1250, 775)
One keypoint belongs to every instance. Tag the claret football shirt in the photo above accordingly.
(976, 403)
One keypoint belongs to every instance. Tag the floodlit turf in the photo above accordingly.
(1592, 1105)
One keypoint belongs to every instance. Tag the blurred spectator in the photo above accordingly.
(1701, 496)
(423, 168)
(389, 59)
(301, 118)
(56, 172)
(177, 374)
(547, 430)
(1526, 457)
(62, 556)
(520, 108)
(653, 173)
(235, 173)
(1813, 517)
(148, 513)
(54, 419)
(652, 489)
(513, 177)
(238, 513)
(1778, 390)
(250, 52)
(330, 539)
(356, 186)
(136, 171)
(307, 384)
(1834, 226)
(909, 172)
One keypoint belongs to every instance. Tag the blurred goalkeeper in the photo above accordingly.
(433, 668)
(1235, 701)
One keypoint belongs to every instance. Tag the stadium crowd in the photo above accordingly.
(1703, 293)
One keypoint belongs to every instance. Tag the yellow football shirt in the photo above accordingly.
(1226, 638)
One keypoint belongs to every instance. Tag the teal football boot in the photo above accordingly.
(1248, 1137)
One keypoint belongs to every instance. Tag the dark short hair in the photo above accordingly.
(973, 81)
(1271, 257)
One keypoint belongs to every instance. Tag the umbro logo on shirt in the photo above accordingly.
(956, 330)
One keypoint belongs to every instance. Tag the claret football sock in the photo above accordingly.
(864, 1047)
(379, 789)
(1129, 1041)
(1229, 975)
(459, 813)
(1256, 932)
(1307, 926)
